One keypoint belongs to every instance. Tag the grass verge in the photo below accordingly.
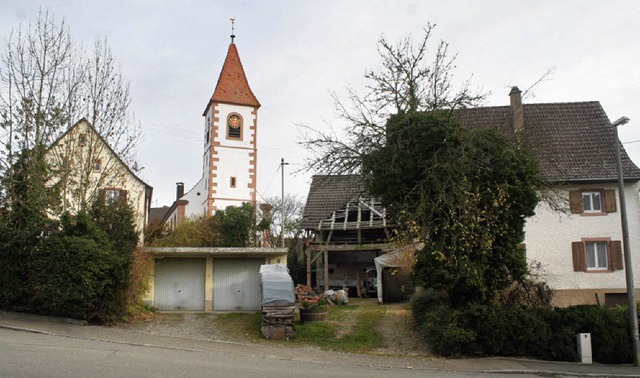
(241, 326)
(348, 328)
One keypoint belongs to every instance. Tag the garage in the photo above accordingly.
(179, 284)
(236, 285)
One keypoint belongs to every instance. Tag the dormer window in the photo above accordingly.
(82, 139)
(234, 126)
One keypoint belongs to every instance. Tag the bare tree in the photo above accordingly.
(49, 83)
(293, 207)
(34, 77)
(107, 98)
(407, 81)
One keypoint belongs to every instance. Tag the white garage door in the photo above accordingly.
(236, 284)
(179, 284)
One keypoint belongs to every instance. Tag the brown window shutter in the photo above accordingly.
(575, 201)
(615, 254)
(123, 196)
(102, 195)
(610, 201)
(579, 258)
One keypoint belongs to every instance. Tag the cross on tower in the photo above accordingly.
(233, 28)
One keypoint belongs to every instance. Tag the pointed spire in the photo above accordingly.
(232, 86)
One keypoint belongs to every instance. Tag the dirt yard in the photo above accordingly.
(396, 327)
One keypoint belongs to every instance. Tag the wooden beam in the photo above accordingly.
(326, 270)
(308, 255)
(313, 259)
(346, 216)
(385, 247)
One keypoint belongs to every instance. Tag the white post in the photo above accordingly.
(584, 348)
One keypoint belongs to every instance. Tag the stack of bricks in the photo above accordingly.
(277, 321)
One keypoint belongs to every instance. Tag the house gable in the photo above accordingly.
(87, 167)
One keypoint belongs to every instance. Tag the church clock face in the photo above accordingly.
(234, 130)
(235, 121)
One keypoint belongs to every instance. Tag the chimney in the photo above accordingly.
(179, 190)
(516, 110)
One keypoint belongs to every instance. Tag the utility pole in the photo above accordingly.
(282, 164)
(628, 267)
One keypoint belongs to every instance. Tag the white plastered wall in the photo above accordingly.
(197, 198)
(113, 175)
(549, 235)
(234, 158)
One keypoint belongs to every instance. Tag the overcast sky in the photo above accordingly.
(295, 52)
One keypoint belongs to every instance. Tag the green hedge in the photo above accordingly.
(75, 277)
(79, 270)
(541, 333)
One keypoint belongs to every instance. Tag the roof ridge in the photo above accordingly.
(561, 103)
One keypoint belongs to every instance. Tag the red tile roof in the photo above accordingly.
(232, 86)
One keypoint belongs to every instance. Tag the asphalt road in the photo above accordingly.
(27, 354)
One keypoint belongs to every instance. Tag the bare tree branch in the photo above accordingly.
(546, 76)
(404, 82)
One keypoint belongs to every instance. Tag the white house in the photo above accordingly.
(578, 246)
(88, 168)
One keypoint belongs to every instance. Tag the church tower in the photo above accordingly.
(229, 166)
(230, 131)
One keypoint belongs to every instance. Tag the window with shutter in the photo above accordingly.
(597, 255)
(114, 196)
(592, 201)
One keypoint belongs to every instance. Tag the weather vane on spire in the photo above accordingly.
(233, 28)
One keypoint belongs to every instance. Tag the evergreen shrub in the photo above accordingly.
(516, 331)
(73, 276)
